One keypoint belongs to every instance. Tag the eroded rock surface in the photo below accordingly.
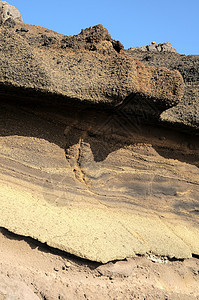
(89, 183)
(9, 15)
(86, 67)
(154, 47)
(16, 290)
(186, 113)
(87, 163)
(42, 268)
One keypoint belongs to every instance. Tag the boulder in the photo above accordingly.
(8, 11)
(167, 47)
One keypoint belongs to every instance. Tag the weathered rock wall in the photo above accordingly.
(186, 113)
(154, 47)
(87, 163)
(88, 68)
(95, 184)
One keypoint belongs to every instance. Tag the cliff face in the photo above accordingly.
(93, 158)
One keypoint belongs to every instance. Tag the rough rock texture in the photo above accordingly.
(9, 15)
(87, 164)
(96, 160)
(186, 113)
(86, 67)
(162, 47)
(93, 38)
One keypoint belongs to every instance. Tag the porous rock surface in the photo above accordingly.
(186, 113)
(89, 67)
(87, 164)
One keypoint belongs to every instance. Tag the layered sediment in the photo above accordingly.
(92, 158)
(95, 186)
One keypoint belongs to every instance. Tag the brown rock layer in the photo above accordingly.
(186, 114)
(86, 67)
(84, 166)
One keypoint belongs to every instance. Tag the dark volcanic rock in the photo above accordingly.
(89, 67)
(186, 113)
(92, 38)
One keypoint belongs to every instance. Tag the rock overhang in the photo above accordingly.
(96, 188)
(85, 67)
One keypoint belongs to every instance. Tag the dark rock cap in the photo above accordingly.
(89, 67)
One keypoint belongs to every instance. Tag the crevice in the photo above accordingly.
(77, 170)
(82, 175)
(172, 259)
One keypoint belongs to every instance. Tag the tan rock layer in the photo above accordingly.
(93, 182)
(99, 192)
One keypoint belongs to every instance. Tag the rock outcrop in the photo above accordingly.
(154, 47)
(88, 164)
(186, 114)
(9, 15)
(86, 67)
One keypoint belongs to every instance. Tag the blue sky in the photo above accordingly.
(133, 22)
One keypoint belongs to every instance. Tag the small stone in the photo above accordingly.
(68, 265)
(22, 29)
